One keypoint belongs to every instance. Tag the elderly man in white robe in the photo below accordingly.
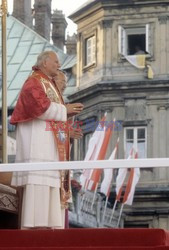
(38, 104)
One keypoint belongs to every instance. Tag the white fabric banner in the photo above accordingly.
(137, 61)
(122, 175)
(94, 147)
(108, 173)
(135, 180)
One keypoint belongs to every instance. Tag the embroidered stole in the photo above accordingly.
(61, 135)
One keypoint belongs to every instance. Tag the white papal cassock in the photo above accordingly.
(41, 189)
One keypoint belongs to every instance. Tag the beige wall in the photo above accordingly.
(110, 65)
(112, 84)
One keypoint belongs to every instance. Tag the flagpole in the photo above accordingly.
(111, 217)
(81, 202)
(4, 81)
(94, 196)
(83, 195)
(104, 212)
(118, 222)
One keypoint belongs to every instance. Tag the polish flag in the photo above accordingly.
(122, 173)
(94, 147)
(108, 174)
(131, 185)
(96, 173)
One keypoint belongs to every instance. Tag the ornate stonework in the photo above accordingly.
(163, 19)
(8, 199)
(106, 24)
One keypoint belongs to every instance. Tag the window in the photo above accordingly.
(135, 137)
(86, 142)
(134, 40)
(90, 51)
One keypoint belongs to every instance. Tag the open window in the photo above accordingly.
(134, 40)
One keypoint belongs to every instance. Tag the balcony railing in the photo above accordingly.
(74, 165)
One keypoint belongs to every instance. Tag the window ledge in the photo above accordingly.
(135, 123)
(122, 58)
(87, 67)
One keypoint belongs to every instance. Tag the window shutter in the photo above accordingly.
(122, 40)
(93, 49)
(148, 39)
(88, 51)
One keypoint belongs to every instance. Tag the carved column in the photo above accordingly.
(162, 131)
(79, 59)
(162, 142)
(163, 20)
(106, 25)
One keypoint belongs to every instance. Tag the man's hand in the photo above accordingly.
(76, 133)
(74, 108)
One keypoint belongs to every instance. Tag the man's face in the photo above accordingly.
(52, 64)
(60, 81)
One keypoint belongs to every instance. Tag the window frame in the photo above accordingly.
(135, 139)
(86, 140)
(92, 47)
(94, 50)
(125, 30)
(88, 128)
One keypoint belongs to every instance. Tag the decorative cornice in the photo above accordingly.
(101, 86)
(163, 107)
(79, 35)
(104, 24)
(163, 19)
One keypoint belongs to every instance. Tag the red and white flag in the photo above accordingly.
(131, 185)
(95, 144)
(122, 173)
(108, 174)
(96, 173)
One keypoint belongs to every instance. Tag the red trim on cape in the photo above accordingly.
(32, 101)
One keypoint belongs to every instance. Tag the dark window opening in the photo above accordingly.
(136, 44)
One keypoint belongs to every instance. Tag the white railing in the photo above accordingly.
(132, 163)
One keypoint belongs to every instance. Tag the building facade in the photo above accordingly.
(110, 35)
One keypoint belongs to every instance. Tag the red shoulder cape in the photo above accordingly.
(32, 101)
